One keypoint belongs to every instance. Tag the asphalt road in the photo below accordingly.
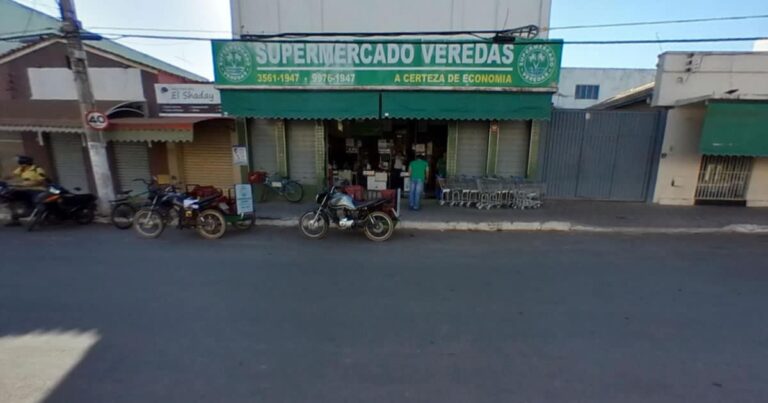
(92, 314)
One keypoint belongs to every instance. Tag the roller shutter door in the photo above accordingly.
(131, 162)
(472, 148)
(263, 145)
(514, 140)
(10, 146)
(301, 151)
(69, 161)
(208, 160)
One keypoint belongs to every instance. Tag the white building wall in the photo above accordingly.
(275, 16)
(109, 84)
(611, 82)
(689, 75)
(689, 78)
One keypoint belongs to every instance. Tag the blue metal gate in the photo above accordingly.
(600, 155)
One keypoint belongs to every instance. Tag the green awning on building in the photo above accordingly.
(458, 105)
(283, 104)
(736, 128)
(453, 105)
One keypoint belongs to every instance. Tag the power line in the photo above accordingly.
(522, 42)
(567, 27)
(663, 22)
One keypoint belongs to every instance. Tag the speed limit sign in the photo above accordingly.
(96, 120)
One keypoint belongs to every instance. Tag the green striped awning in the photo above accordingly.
(736, 128)
(457, 105)
(343, 104)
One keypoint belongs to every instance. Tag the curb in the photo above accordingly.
(547, 226)
(523, 226)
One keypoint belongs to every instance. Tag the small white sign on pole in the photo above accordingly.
(239, 155)
(244, 198)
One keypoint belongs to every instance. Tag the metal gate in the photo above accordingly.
(69, 161)
(131, 163)
(472, 148)
(723, 178)
(600, 155)
(301, 151)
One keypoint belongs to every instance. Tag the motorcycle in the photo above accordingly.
(202, 214)
(377, 220)
(58, 204)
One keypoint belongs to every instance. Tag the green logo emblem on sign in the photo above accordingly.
(234, 62)
(536, 63)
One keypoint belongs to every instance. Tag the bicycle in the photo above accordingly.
(287, 188)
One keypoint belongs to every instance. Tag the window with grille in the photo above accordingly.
(584, 91)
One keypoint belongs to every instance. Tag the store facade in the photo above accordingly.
(361, 109)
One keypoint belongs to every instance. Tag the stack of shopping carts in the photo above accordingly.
(491, 192)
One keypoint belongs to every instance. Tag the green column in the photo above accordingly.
(453, 147)
(320, 158)
(533, 150)
(281, 148)
(493, 149)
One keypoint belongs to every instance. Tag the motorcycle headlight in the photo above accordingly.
(54, 190)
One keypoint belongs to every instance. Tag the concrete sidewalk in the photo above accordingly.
(557, 215)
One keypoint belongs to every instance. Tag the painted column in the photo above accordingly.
(493, 149)
(282, 148)
(453, 151)
(320, 158)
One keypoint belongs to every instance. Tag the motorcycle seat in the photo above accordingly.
(80, 198)
(207, 200)
(370, 203)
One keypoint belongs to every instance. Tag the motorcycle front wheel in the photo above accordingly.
(379, 227)
(314, 225)
(211, 224)
(148, 223)
(122, 216)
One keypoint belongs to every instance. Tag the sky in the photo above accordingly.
(213, 17)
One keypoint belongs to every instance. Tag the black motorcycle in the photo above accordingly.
(57, 204)
(377, 220)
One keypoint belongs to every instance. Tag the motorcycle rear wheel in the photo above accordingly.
(379, 226)
(314, 227)
(148, 223)
(211, 224)
(85, 216)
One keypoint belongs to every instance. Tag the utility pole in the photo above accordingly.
(97, 150)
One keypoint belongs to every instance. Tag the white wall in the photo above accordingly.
(611, 82)
(761, 46)
(109, 84)
(683, 76)
(680, 156)
(274, 16)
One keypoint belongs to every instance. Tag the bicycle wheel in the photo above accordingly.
(293, 191)
(122, 216)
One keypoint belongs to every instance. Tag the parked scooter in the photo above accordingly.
(377, 220)
(58, 204)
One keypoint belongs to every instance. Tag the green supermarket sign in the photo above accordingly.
(459, 65)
